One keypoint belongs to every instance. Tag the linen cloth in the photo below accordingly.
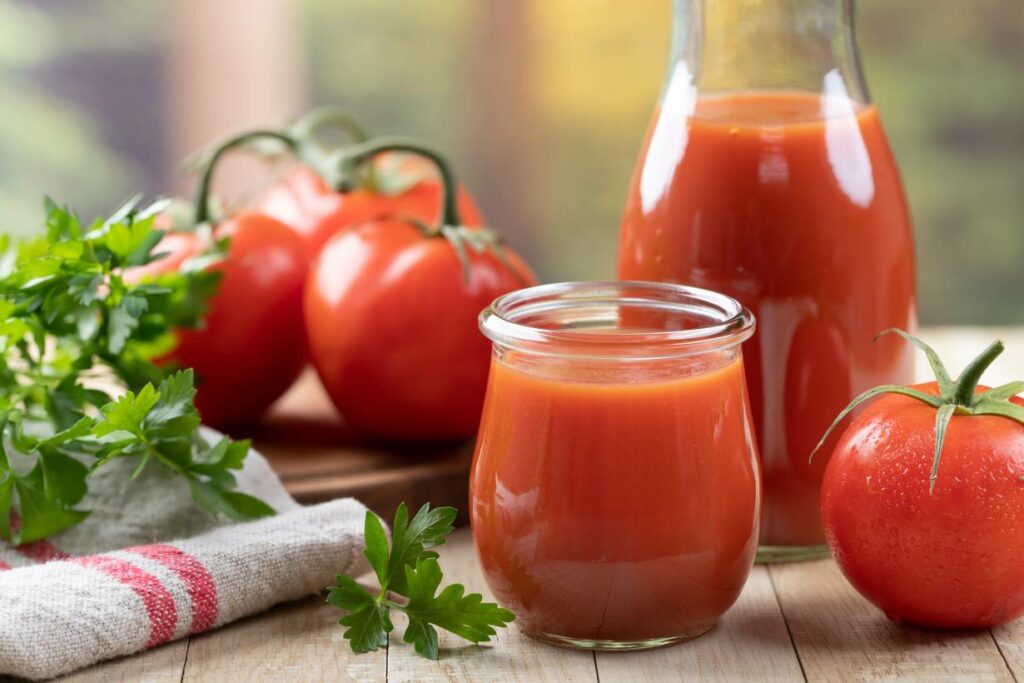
(116, 584)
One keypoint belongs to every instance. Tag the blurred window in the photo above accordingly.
(542, 105)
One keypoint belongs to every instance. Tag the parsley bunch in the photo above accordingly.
(70, 323)
(410, 569)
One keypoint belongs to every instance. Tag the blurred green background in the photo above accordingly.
(542, 104)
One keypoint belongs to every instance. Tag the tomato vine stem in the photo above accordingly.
(462, 239)
(202, 196)
(347, 161)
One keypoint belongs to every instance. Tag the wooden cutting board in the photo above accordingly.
(319, 459)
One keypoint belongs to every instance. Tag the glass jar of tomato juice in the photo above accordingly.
(615, 492)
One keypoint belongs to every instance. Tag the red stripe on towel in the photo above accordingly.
(163, 615)
(197, 579)
(4, 566)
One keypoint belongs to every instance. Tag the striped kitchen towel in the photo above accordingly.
(71, 601)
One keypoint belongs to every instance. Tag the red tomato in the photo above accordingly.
(954, 558)
(392, 328)
(303, 201)
(252, 345)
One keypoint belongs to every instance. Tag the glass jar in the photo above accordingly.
(615, 492)
(766, 175)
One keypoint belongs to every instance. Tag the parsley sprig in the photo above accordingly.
(71, 322)
(409, 569)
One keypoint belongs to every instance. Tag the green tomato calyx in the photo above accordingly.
(955, 397)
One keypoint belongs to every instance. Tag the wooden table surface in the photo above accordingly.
(793, 622)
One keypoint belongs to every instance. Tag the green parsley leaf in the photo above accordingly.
(368, 621)
(123, 320)
(376, 551)
(41, 514)
(70, 310)
(6, 502)
(176, 395)
(76, 431)
(231, 504)
(63, 477)
(66, 402)
(427, 529)
(467, 616)
(127, 413)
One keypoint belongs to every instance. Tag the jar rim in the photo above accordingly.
(728, 322)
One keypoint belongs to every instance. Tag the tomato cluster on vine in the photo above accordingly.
(369, 261)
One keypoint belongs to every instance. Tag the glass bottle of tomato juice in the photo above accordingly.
(766, 175)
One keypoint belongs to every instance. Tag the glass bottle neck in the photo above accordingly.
(721, 46)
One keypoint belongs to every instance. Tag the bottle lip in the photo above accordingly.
(578, 319)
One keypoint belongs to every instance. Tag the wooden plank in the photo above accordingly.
(750, 643)
(159, 665)
(1010, 640)
(299, 641)
(511, 657)
(319, 459)
(839, 636)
